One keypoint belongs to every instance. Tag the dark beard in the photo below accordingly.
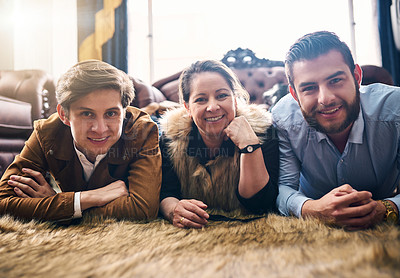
(353, 109)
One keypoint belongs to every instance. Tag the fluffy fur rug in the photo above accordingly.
(272, 246)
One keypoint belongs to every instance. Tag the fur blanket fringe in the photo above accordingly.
(272, 246)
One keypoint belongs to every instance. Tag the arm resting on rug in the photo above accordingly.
(253, 173)
(352, 208)
(264, 200)
(348, 207)
(184, 213)
(290, 200)
(345, 206)
(56, 207)
(181, 213)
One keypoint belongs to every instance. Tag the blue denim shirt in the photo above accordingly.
(311, 165)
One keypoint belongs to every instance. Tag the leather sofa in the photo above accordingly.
(376, 74)
(25, 95)
(256, 75)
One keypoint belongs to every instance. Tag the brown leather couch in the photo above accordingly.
(25, 95)
(256, 75)
(375, 74)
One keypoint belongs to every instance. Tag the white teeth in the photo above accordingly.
(100, 139)
(330, 111)
(213, 119)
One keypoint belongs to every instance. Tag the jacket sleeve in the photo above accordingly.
(170, 185)
(144, 178)
(265, 199)
(55, 208)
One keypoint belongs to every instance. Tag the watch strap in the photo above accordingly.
(389, 210)
(250, 148)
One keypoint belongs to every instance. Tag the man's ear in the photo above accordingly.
(62, 115)
(358, 74)
(293, 93)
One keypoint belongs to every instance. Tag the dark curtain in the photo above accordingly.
(103, 31)
(115, 50)
(390, 54)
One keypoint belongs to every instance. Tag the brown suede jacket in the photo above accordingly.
(135, 159)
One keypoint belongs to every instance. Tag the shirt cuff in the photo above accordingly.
(395, 200)
(77, 205)
(296, 205)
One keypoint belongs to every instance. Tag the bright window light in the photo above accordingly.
(186, 30)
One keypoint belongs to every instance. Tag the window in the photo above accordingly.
(186, 30)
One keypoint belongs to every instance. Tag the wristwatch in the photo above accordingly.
(250, 148)
(391, 216)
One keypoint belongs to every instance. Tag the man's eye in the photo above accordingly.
(111, 114)
(86, 114)
(335, 80)
(308, 88)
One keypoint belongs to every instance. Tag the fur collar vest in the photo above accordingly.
(215, 182)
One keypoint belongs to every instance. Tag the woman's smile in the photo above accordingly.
(214, 119)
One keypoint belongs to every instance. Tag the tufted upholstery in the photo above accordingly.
(25, 95)
(256, 75)
(258, 80)
(169, 86)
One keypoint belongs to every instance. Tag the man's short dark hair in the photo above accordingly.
(313, 45)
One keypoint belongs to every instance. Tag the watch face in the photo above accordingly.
(249, 149)
(392, 217)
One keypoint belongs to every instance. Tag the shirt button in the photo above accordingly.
(341, 161)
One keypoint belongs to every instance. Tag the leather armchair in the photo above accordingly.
(25, 96)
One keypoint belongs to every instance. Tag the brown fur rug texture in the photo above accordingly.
(272, 246)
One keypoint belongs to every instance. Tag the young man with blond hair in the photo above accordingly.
(102, 154)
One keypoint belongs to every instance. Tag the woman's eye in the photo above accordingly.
(222, 96)
(200, 99)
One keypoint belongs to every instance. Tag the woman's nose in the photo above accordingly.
(212, 105)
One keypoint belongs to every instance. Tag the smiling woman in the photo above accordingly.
(218, 151)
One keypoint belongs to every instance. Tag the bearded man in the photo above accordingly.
(339, 141)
